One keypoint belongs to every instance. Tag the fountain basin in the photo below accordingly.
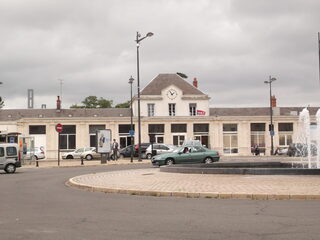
(250, 168)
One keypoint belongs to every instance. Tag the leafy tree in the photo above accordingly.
(104, 103)
(76, 106)
(182, 75)
(94, 102)
(1, 102)
(123, 105)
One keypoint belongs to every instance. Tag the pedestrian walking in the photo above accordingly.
(115, 147)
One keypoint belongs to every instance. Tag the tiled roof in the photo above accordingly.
(15, 114)
(262, 111)
(166, 79)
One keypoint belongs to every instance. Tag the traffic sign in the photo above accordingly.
(271, 133)
(131, 132)
(59, 127)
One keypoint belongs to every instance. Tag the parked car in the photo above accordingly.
(90, 154)
(9, 157)
(186, 154)
(143, 148)
(160, 148)
(126, 152)
(301, 150)
(34, 154)
(77, 153)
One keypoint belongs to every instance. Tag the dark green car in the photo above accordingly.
(186, 154)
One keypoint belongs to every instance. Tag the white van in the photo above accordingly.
(9, 157)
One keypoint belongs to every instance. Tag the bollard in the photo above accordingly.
(37, 163)
(81, 160)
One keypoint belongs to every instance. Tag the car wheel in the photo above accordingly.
(34, 158)
(169, 161)
(10, 168)
(69, 157)
(89, 157)
(149, 156)
(208, 160)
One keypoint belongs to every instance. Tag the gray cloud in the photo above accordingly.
(230, 46)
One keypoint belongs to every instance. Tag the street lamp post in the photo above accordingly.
(131, 114)
(271, 128)
(138, 40)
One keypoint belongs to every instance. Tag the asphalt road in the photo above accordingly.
(35, 204)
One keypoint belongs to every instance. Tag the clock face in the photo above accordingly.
(172, 94)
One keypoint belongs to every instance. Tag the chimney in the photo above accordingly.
(58, 103)
(273, 101)
(195, 82)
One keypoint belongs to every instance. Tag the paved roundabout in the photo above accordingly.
(152, 182)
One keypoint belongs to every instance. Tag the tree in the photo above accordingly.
(123, 105)
(104, 103)
(1, 102)
(94, 102)
(182, 75)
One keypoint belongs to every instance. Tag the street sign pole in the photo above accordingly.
(59, 129)
(58, 148)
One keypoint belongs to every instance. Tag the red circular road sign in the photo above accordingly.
(59, 127)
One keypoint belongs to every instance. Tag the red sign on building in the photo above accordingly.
(59, 127)
(201, 112)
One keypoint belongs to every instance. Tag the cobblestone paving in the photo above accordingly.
(247, 185)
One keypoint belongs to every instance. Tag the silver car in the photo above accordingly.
(34, 154)
(9, 157)
(160, 148)
(77, 153)
(90, 154)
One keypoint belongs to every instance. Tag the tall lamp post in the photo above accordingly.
(271, 128)
(131, 114)
(138, 40)
(1, 97)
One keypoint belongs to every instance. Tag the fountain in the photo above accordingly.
(318, 138)
(305, 135)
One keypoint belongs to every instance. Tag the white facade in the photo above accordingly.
(231, 131)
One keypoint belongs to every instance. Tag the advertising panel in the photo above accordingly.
(104, 141)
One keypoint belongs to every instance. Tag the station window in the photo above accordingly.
(150, 109)
(285, 133)
(37, 129)
(193, 109)
(68, 137)
(230, 138)
(93, 133)
(172, 109)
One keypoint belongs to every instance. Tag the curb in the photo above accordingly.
(92, 165)
(248, 196)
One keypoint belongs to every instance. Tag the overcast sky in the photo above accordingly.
(230, 46)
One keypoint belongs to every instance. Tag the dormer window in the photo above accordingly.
(193, 109)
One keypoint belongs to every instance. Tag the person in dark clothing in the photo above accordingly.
(115, 148)
(256, 150)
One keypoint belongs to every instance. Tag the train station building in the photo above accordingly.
(173, 109)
